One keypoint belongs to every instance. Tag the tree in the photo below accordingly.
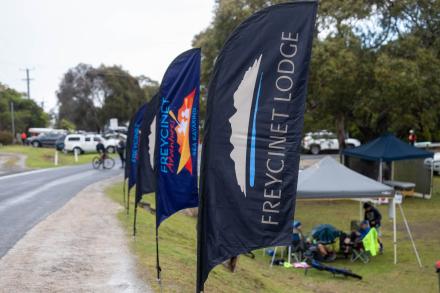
(77, 101)
(150, 87)
(66, 124)
(27, 113)
(89, 97)
(374, 68)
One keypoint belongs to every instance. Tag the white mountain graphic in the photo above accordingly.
(243, 98)
(152, 141)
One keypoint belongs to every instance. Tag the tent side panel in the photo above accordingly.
(414, 171)
(364, 167)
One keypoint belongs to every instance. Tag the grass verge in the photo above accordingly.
(178, 252)
(37, 158)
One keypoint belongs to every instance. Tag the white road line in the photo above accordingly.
(34, 172)
(29, 195)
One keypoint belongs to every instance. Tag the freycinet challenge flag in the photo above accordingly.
(132, 146)
(253, 129)
(177, 134)
(146, 177)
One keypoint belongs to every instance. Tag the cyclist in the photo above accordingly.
(100, 148)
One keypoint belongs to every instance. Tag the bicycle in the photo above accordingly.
(107, 162)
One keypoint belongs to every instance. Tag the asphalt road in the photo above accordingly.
(27, 198)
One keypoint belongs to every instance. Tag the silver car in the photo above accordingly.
(434, 163)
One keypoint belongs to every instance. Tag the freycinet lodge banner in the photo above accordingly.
(146, 177)
(177, 130)
(253, 130)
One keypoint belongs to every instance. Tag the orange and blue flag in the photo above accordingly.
(177, 135)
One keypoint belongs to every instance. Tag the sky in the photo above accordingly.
(51, 36)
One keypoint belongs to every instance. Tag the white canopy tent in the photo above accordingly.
(328, 179)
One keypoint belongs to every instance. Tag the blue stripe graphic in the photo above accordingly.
(253, 137)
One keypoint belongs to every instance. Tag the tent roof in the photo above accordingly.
(329, 179)
(387, 148)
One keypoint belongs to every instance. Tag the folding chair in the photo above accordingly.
(358, 253)
(298, 247)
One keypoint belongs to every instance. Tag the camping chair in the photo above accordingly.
(351, 245)
(358, 252)
(298, 247)
(368, 246)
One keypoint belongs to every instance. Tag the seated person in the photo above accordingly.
(321, 251)
(354, 239)
(298, 239)
(364, 229)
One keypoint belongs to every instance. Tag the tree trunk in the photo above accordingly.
(340, 131)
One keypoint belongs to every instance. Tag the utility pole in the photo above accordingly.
(13, 122)
(28, 82)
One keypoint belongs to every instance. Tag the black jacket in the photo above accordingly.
(373, 217)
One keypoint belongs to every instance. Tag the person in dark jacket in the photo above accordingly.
(100, 149)
(374, 218)
(121, 152)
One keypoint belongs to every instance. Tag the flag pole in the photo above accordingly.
(123, 191)
(135, 218)
(127, 207)
(199, 282)
(158, 268)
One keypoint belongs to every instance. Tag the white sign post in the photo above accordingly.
(55, 158)
(75, 152)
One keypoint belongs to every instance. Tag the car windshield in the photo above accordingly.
(323, 135)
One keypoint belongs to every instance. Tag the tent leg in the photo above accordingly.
(392, 170)
(273, 256)
(410, 236)
(380, 171)
(394, 230)
(432, 182)
(360, 211)
(289, 251)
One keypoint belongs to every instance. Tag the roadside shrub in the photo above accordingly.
(5, 137)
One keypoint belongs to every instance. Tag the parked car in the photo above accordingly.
(434, 163)
(111, 141)
(44, 139)
(82, 143)
(59, 143)
(316, 142)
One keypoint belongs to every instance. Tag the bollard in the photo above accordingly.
(55, 159)
(75, 152)
(437, 268)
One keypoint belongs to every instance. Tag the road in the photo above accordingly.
(27, 198)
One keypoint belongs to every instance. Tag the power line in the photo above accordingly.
(28, 81)
(13, 122)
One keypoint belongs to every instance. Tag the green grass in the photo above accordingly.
(38, 158)
(178, 253)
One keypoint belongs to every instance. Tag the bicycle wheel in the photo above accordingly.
(109, 163)
(96, 162)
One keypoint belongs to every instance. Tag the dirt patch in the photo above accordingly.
(79, 248)
(12, 163)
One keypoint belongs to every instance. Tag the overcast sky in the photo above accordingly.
(50, 36)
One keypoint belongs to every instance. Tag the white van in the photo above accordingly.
(82, 143)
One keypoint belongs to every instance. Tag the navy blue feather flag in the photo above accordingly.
(177, 129)
(253, 130)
